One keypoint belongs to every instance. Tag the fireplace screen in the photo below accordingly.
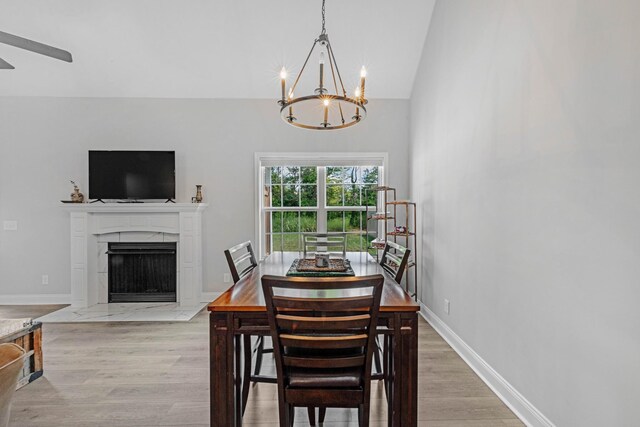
(142, 272)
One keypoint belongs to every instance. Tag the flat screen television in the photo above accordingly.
(132, 175)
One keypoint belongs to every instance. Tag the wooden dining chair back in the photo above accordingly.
(322, 243)
(11, 364)
(394, 260)
(241, 260)
(323, 330)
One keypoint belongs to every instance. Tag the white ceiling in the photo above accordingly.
(207, 48)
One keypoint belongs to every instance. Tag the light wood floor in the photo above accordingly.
(156, 374)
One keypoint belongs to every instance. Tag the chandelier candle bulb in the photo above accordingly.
(321, 71)
(326, 112)
(283, 80)
(363, 74)
(290, 107)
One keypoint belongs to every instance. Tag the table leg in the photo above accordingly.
(238, 380)
(222, 370)
(409, 334)
(390, 378)
(403, 396)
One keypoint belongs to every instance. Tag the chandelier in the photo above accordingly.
(323, 110)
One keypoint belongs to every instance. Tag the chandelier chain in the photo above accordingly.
(323, 29)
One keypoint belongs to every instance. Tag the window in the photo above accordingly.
(323, 198)
(290, 205)
(348, 191)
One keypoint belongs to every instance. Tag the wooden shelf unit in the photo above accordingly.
(387, 209)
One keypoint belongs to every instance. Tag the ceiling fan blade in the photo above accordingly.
(36, 47)
(4, 65)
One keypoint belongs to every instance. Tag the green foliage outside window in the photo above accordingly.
(295, 187)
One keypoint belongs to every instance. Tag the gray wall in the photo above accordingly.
(525, 161)
(45, 141)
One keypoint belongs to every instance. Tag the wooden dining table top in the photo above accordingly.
(246, 295)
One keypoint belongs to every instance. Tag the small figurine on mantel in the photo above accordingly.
(76, 196)
(198, 197)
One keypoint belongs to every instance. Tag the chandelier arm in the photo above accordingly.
(336, 87)
(293, 88)
(330, 49)
(333, 74)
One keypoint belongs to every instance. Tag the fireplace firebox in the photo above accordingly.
(142, 272)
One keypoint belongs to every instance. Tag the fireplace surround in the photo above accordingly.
(94, 226)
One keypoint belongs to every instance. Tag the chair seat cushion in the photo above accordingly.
(334, 378)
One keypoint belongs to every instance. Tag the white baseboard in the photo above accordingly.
(209, 296)
(40, 299)
(523, 409)
(35, 299)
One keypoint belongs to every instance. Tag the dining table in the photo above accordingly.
(241, 310)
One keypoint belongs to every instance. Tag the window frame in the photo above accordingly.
(321, 160)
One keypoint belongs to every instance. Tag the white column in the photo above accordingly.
(190, 282)
(79, 264)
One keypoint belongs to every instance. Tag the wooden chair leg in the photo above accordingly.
(376, 357)
(321, 413)
(365, 414)
(311, 410)
(387, 364)
(259, 351)
(246, 376)
(292, 414)
(284, 415)
(385, 354)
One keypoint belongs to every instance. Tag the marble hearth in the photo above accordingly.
(93, 226)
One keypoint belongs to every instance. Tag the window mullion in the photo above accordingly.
(290, 209)
(322, 199)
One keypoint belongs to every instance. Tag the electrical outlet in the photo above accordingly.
(45, 279)
(447, 306)
(227, 278)
(10, 225)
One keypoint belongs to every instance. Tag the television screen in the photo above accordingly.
(132, 175)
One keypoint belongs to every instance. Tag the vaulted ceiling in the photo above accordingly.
(206, 48)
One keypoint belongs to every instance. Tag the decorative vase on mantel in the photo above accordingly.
(198, 198)
(76, 196)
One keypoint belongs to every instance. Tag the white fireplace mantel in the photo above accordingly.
(94, 224)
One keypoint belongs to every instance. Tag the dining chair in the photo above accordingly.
(11, 363)
(323, 330)
(242, 261)
(333, 244)
(394, 260)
